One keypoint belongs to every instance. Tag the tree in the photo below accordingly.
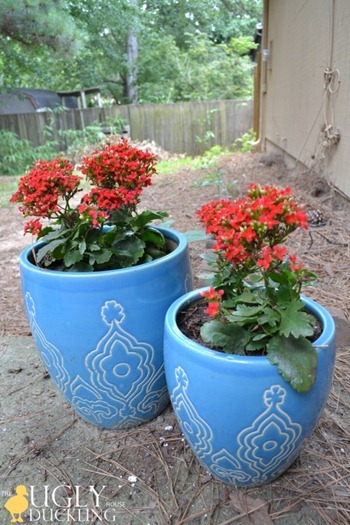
(113, 27)
(220, 20)
(37, 22)
(145, 50)
(28, 29)
(132, 55)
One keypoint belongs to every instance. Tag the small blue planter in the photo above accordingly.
(242, 420)
(100, 334)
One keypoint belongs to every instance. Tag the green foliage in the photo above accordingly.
(15, 154)
(34, 37)
(202, 70)
(214, 176)
(253, 326)
(210, 157)
(175, 164)
(84, 249)
(244, 144)
(186, 51)
(212, 71)
(38, 22)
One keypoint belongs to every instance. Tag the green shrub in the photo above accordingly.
(15, 154)
(244, 144)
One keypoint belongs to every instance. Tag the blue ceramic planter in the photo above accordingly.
(242, 420)
(100, 334)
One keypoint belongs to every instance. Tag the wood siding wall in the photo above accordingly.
(309, 45)
(186, 127)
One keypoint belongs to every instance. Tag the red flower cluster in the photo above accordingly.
(213, 298)
(120, 173)
(255, 298)
(41, 190)
(102, 230)
(248, 231)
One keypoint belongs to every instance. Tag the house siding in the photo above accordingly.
(304, 38)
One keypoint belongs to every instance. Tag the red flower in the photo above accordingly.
(279, 252)
(34, 227)
(293, 264)
(213, 309)
(212, 294)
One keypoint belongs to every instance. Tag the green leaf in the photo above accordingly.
(151, 235)
(107, 235)
(294, 321)
(296, 360)
(255, 346)
(209, 257)
(131, 248)
(49, 248)
(196, 235)
(147, 216)
(250, 298)
(246, 312)
(119, 217)
(103, 256)
(82, 246)
(49, 234)
(80, 267)
(232, 339)
(270, 317)
(71, 257)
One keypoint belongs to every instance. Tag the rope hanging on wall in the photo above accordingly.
(330, 135)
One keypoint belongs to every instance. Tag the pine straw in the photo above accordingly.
(325, 250)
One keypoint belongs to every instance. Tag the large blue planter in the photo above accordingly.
(100, 334)
(242, 420)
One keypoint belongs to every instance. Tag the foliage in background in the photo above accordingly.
(186, 51)
(34, 36)
(245, 143)
(38, 22)
(17, 155)
(203, 70)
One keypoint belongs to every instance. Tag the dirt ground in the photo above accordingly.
(148, 475)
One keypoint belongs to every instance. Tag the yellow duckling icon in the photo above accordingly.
(16, 505)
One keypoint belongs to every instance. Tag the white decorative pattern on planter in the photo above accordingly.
(121, 372)
(262, 449)
(52, 359)
(194, 427)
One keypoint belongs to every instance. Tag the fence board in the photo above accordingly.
(184, 127)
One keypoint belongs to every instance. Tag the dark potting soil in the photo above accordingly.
(192, 317)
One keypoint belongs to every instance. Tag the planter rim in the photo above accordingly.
(324, 340)
(169, 233)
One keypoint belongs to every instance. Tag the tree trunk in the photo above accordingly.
(132, 53)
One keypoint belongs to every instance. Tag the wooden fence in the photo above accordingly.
(185, 127)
